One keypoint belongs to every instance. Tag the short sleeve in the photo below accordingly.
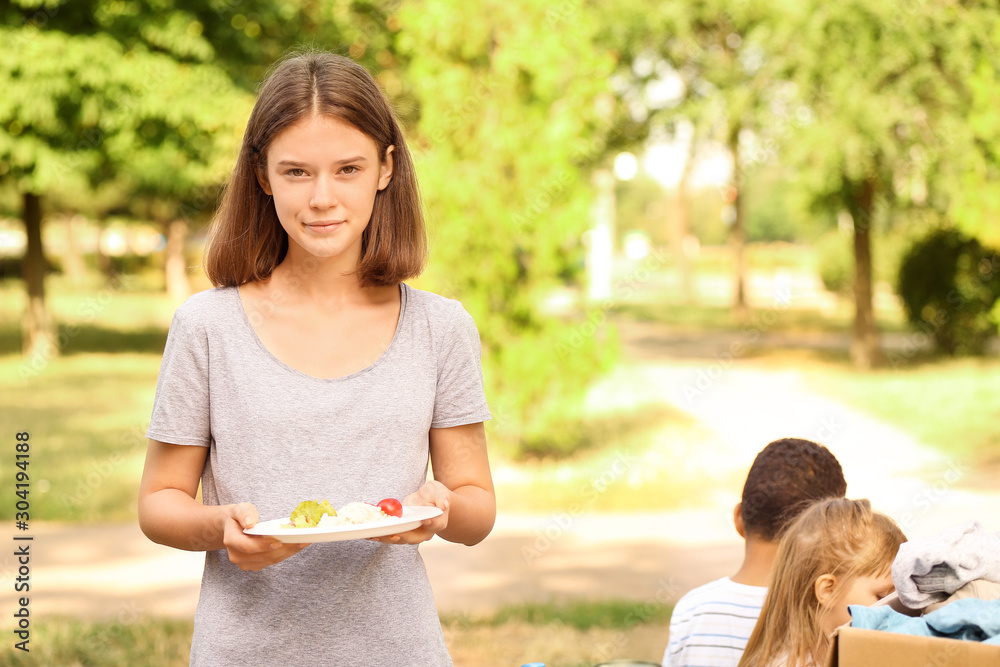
(181, 407)
(460, 398)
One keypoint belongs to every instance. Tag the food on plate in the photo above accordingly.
(391, 506)
(309, 513)
(320, 514)
(353, 514)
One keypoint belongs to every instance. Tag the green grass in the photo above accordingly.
(951, 405)
(87, 408)
(631, 463)
(91, 315)
(578, 614)
(75, 643)
(87, 416)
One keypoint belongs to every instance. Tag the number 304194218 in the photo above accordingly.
(21, 477)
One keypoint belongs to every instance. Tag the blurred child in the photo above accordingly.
(710, 624)
(838, 552)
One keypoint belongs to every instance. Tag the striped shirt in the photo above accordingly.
(711, 624)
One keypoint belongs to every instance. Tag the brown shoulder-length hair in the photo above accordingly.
(837, 536)
(247, 241)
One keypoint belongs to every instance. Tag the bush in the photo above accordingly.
(949, 283)
(836, 263)
(537, 383)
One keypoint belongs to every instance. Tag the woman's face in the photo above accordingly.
(323, 174)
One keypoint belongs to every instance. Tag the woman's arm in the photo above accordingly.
(462, 487)
(170, 514)
(460, 462)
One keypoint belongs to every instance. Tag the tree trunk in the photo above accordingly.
(600, 260)
(38, 334)
(178, 285)
(73, 264)
(104, 263)
(737, 234)
(681, 226)
(865, 351)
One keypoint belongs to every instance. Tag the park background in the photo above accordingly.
(683, 229)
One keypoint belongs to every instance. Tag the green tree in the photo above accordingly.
(729, 59)
(83, 108)
(889, 89)
(973, 175)
(510, 114)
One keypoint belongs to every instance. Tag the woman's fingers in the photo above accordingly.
(253, 552)
(435, 494)
(415, 536)
(255, 562)
(260, 555)
(245, 514)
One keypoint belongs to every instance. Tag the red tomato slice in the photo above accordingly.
(391, 506)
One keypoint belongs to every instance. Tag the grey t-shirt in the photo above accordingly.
(278, 436)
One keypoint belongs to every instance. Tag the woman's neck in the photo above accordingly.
(318, 280)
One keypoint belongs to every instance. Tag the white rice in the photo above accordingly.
(353, 513)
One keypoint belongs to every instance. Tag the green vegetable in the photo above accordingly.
(309, 512)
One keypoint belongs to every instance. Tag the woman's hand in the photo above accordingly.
(435, 494)
(462, 488)
(169, 513)
(252, 552)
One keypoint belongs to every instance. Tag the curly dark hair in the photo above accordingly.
(787, 475)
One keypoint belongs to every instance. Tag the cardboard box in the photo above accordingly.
(854, 647)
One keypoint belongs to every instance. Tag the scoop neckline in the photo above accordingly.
(403, 293)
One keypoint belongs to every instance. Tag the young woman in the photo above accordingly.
(838, 552)
(313, 371)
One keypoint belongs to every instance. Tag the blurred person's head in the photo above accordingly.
(319, 94)
(785, 477)
(837, 552)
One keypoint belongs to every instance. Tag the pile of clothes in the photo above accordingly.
(951, 581)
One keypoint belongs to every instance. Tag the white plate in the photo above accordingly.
(412, 516)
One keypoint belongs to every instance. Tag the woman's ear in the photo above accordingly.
(825, 588)
(738, 520)
(262, 179)
(385, 171)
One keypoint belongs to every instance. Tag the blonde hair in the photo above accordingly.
(837, 536)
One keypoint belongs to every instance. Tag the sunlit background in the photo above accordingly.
(683, 229)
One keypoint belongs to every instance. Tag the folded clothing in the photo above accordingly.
(930, 569)
(980, 588)
(970, 619)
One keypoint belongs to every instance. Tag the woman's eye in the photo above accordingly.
(351, 168)
(295, 172)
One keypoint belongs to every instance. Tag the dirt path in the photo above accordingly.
(747, 405)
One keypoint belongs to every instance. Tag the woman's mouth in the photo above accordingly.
(321, 226)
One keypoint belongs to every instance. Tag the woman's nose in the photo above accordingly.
(323, 194)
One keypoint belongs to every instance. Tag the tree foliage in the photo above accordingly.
(87, 105)
(509, 112)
